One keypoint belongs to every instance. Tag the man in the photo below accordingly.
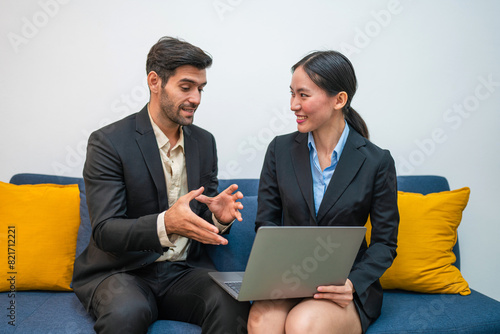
(151, 185)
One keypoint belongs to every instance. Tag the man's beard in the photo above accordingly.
(174, 114)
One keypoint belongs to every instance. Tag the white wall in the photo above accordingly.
(69, 67)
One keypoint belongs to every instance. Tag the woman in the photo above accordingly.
(329, 173)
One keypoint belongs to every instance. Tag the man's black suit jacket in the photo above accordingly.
(126, 190)
(364, 183)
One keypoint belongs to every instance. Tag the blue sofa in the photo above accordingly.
(403, 312)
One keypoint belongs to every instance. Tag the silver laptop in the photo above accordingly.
(292, 261)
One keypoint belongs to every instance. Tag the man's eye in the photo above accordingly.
(185, 89)
(200, 90)
(303, 95)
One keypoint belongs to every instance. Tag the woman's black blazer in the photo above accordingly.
(363, 184)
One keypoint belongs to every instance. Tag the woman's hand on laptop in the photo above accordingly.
(341, 295)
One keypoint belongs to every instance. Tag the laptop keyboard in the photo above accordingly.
(235, 286)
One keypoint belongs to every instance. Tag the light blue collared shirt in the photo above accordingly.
(321, 179)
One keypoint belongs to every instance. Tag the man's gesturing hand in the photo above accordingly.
(224, 206)
(181, 220)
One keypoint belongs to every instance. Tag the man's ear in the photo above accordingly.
(154, 82)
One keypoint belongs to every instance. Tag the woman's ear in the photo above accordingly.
(340, 100)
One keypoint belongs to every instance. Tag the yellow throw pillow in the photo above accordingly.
(427, 233)
(38, 231)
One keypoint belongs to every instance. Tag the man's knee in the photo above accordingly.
(122, 305)
(125, 318)
(217, 298)
(229, 313)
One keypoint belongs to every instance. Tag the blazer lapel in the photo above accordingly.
(149, 148)
(302, 167)
(192, 155)
(348, 166)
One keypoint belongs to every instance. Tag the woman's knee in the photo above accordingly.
(321, 316)
(269, 316)
(303, 321)
(257, 316)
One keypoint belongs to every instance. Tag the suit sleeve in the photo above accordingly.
(384, 218)
(270, 208)
(105, 186)
(211, 186)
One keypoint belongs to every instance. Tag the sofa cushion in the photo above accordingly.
(426, 184)
(248, 187)
(173, 327)
(427, 234)
(61, 312)
(234, 255)
(410, 312)
(85, 228)
(39, 224)
(49, 312)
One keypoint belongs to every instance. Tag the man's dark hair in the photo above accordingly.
(170, 53)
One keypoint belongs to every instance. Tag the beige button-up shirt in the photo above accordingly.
(174, 168)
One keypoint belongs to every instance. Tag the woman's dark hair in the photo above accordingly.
(170, 53)
(333, 72)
